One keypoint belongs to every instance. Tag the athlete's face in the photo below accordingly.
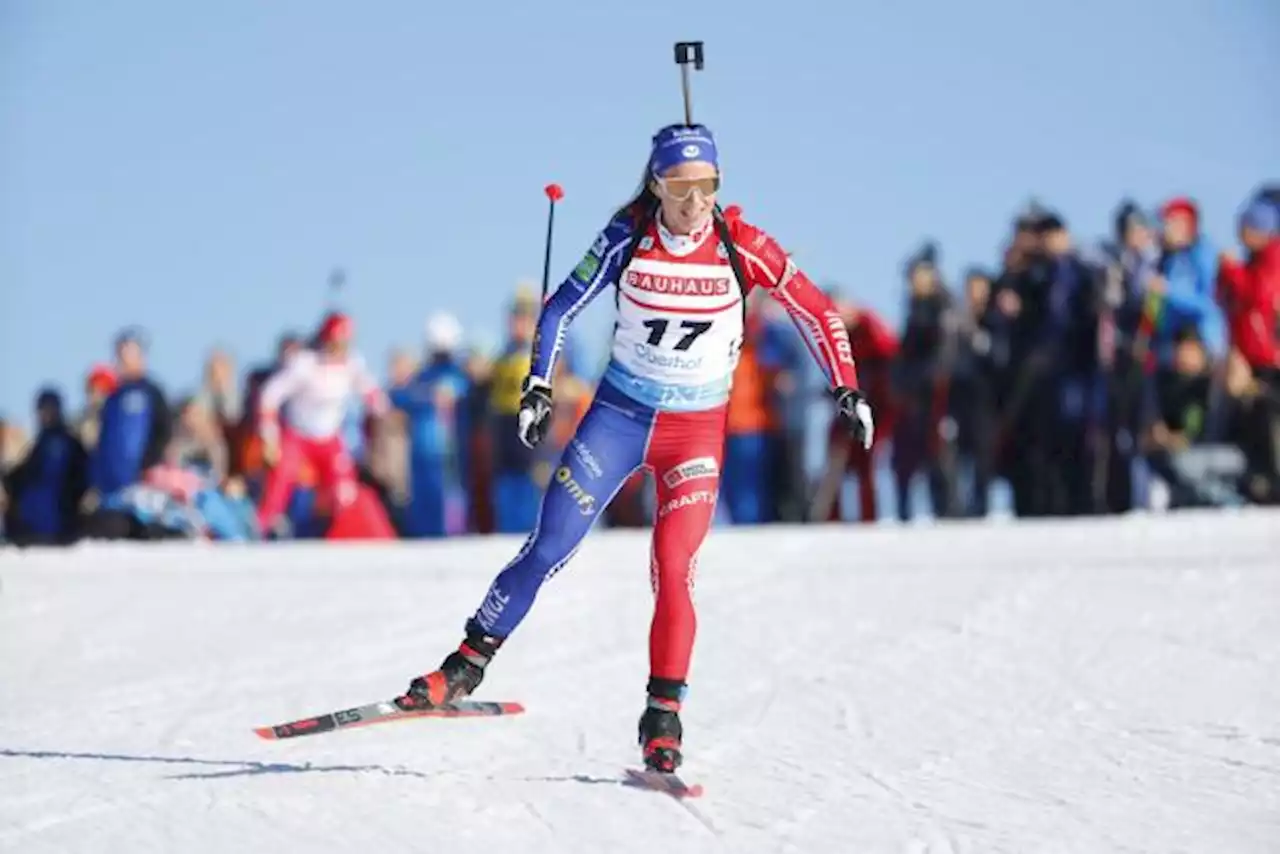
(688, 193)
(337, 347)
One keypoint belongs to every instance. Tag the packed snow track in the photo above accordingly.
(1082, 686)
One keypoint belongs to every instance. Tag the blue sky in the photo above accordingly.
(197, 169)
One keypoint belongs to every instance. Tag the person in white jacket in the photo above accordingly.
(318, 385)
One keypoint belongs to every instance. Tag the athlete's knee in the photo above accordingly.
(671, 573)
(549, 550)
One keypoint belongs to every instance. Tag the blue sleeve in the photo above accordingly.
(1199, 300)
(598, 269)
(404, 398)
(106, 439)
(1195, 297)
(1213, 327)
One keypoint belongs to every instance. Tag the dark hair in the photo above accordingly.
(642, 200)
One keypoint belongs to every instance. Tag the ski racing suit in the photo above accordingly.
(661, 405)
(318, 391)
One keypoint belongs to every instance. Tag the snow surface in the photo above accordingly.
(1065, 686)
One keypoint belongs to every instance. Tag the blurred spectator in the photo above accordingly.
(1250, 291)
(1254, 427)
(135, 423)
(218, 397)
(749, 480)
(1198, 473)
(516, 492)
(45, 489)
(571, 396)
(781, 354)
(480, 486)
(388, 457)
(1056, 392)
(1128, 264)
(1186, 282)
(980, 362)
(437, 429)
(246, 456)
(875, 350)
(198, 441)
(98, 386)
(1075, 301)
(919, 388)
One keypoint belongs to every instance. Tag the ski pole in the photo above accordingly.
(337, 278)
(687, 52)
(555, 194)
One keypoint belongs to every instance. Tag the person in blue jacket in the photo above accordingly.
(45, 489)
(1188, 269)
(433, 402)
(135, 423)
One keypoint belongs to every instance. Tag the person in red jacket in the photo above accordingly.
(1250, 291)
(875, 346)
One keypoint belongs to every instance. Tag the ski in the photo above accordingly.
(664, 781)
(383, 712)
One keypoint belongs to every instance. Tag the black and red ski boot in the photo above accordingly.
(661, 735)
(459, 674)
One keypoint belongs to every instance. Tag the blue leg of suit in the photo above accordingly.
(609, 445)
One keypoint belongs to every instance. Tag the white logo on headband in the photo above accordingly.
(691, 151)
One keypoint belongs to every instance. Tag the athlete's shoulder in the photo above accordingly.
(622, 228)
(606, 250)
(745, 233)
(356, 362)
(754, 242)
(301, 361)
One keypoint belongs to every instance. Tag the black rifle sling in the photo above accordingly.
(726, 239)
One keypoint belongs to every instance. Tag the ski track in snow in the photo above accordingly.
(1106, 685)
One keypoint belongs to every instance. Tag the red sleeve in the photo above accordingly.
(767, 266)
(1269, 274)
(883, 341)
(1230, 280)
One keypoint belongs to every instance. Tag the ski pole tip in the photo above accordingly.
(554, 192)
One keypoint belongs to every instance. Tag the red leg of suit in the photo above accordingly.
(685, 454)
(335, 471)
(281, 479)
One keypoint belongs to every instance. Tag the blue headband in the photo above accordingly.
(676, 144)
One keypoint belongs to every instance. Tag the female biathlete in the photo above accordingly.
(682, 270)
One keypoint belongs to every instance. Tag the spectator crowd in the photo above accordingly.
(1139, 371)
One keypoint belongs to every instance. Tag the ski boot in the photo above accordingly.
(660, 731)
(459, 674)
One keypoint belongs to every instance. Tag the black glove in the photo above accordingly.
(854, 409)
(535, 411)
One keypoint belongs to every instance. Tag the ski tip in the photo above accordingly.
(662, 781)
(269, 733)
